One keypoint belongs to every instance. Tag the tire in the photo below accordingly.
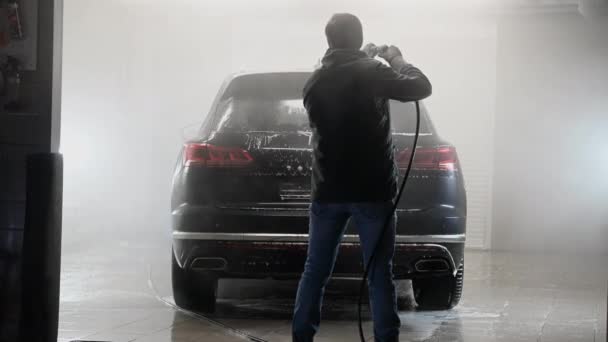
(440, 293)
(193, 290)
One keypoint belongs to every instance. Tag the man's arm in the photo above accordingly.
(402, 81)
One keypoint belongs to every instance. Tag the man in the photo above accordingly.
(354, 172)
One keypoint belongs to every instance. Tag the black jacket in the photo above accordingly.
(347, 103)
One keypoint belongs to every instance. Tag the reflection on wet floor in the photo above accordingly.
(109, 295)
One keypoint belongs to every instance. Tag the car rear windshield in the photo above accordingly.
(273, 103)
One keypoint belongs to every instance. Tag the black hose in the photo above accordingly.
(388, 219)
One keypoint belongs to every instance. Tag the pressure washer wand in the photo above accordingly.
(387, 221)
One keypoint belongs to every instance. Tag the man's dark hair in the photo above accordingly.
(344, 31)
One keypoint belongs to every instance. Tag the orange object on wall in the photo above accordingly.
(4, 28)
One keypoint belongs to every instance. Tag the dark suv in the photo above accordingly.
(241, 194)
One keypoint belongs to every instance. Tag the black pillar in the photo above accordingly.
(31, 127)
(41, 253)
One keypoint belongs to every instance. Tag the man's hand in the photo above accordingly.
(388, 53)
(371, 50)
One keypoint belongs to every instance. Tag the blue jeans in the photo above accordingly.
(327, 225)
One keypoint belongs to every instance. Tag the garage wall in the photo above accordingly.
(137, 72)
(550, 150)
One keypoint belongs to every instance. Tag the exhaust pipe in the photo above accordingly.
(209, 264)
(432, 265)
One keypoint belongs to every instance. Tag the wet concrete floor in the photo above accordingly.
(121, 291)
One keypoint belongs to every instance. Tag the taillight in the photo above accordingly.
(215, 156)
(441, 158)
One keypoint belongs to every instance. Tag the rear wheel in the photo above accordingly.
(193, 290)
(439, 293)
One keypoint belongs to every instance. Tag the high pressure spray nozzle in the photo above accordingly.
(385, 52)
(371, 50)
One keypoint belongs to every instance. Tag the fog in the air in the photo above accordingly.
(525, 102)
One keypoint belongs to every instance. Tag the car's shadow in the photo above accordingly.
(269, 318)
(275, 300)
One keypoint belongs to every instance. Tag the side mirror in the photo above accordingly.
(191, 131)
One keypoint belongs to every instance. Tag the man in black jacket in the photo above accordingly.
(354, 171)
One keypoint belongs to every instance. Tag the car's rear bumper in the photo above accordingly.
(293, 218)
(281, 256)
